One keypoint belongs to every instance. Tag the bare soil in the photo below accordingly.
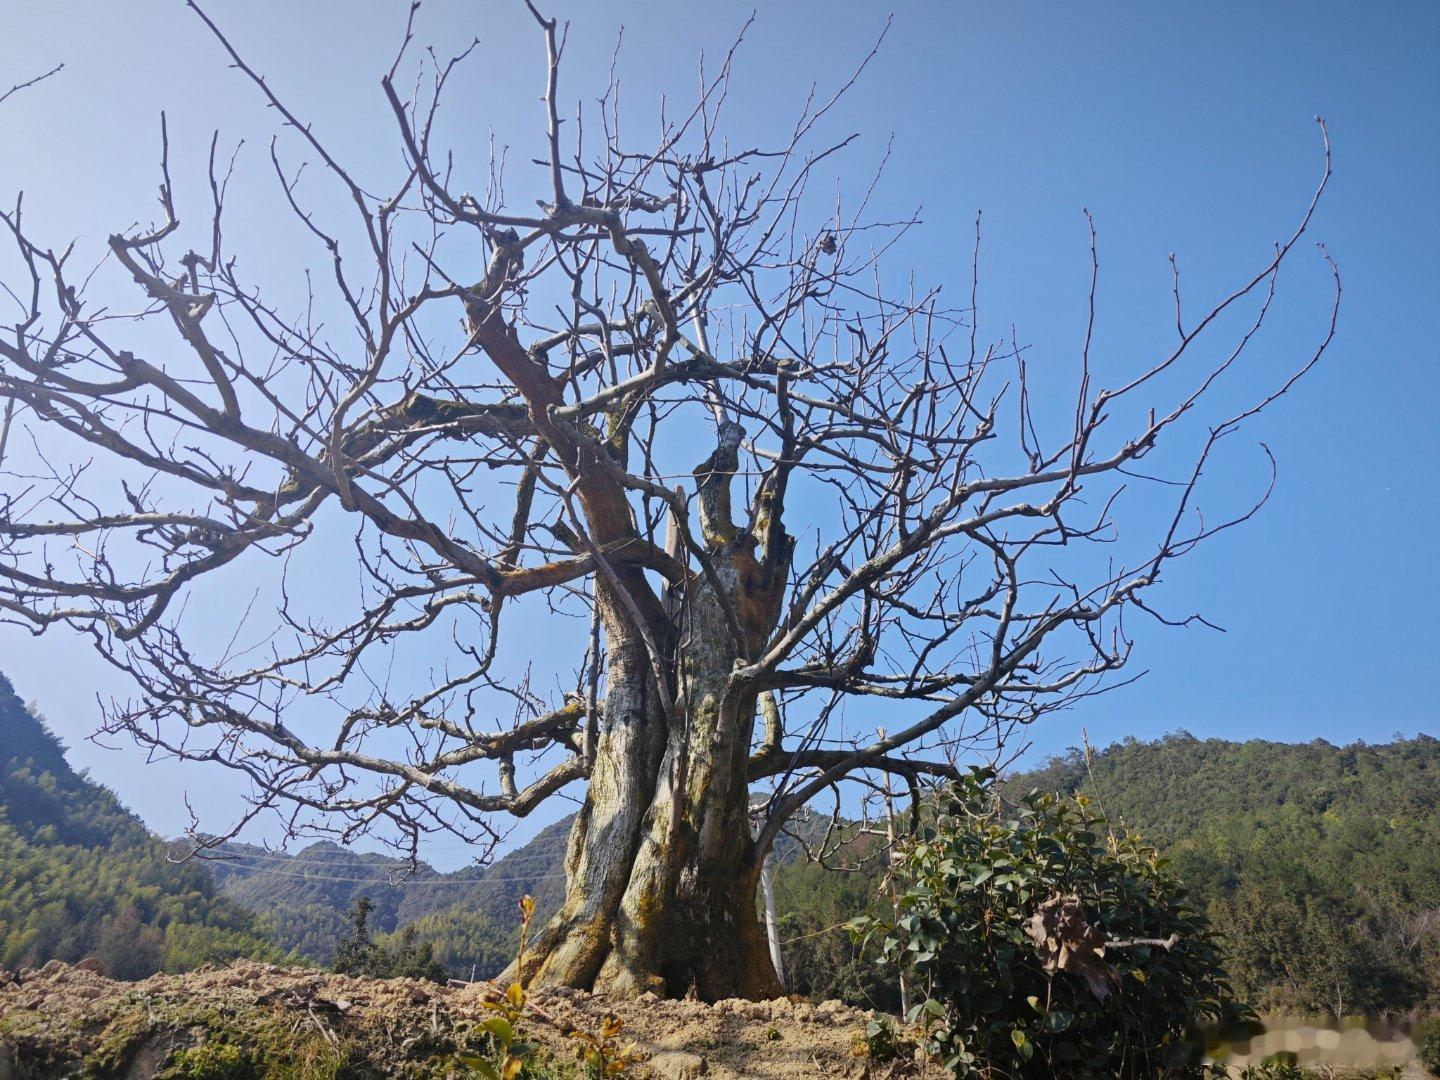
(258, 1020)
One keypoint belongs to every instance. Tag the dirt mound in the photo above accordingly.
(255, 1020)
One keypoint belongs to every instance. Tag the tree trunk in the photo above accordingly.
(662, 868)
(572, 947)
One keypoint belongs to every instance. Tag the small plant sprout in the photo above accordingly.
(502, 1029)
(601, 1052)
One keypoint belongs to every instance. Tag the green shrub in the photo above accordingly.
(359, 954)
(881, 1043)
(1046, 945)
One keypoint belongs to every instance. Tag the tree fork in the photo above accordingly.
(685, 920)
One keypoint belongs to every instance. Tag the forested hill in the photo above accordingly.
(1320, 863)
(470, 915)
(84, 877)
(1178, 786)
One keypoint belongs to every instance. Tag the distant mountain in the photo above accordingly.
(470, 915)
(82, 876)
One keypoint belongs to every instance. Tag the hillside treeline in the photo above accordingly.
(84, 877)
(1319, 864)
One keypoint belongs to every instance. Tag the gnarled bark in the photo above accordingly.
(572, 947)
(662, 865)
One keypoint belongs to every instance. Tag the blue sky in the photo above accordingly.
(1182, 129)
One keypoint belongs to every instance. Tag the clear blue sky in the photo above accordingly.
(1185, 129)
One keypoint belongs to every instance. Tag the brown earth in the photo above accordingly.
(258, 1020)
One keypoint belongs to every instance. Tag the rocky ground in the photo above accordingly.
(257, 1020)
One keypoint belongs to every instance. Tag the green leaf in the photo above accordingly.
(500, 1029)
(481, 1066)
(1057, 1020)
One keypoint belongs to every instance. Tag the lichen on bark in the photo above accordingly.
(662, 865)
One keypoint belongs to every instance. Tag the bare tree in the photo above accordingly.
(684, 413)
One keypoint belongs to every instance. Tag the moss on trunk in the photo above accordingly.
(662, 867)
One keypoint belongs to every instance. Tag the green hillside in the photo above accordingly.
(84, 877)
(1320, 863)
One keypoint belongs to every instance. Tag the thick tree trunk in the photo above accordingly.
(662, 869)
(572, 947)
(687, 920)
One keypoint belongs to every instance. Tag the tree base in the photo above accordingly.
(679, 954)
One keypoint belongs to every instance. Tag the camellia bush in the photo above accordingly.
(1041, 942)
